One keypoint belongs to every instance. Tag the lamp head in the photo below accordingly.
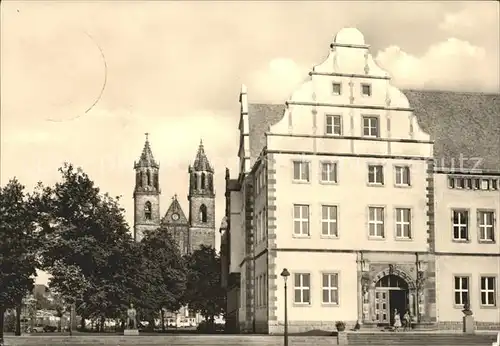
(285, 274)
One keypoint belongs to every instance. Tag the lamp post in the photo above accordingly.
(285, 274)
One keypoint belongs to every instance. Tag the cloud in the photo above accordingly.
(453, 64)
(276, 81)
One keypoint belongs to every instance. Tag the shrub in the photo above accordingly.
(340, 325)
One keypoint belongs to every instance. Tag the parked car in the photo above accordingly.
(38, 329)
(49, 329)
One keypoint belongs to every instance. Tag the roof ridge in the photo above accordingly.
(453, 92)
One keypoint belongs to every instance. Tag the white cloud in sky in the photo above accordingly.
(276, 81)
(453, 64)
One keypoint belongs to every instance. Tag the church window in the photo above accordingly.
(202, 180)
(203, 213)
(149, 178)
(138, 178)
(195, 181)
(141, 179)
(210, 182)
(147, 210)
(155, 180)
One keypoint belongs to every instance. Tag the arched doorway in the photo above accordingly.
(391, 292)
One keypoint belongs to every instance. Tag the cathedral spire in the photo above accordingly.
(146, 159)
(201, 162)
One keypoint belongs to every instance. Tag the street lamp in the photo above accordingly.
(285, 274)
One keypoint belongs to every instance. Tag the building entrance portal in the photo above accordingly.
(391, 292)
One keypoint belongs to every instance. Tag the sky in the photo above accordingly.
(81, 82)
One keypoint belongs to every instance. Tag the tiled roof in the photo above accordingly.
(260, 119)
(463, 125)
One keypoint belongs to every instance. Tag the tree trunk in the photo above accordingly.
(103, 319)
(59, 323)
(82, 322)
(151, 324)
(2, 316)
(162, 320)
(18, 320)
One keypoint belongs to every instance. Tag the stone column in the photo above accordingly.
(412, 303)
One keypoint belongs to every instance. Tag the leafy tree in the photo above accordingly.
(84, 232)
(166, 269)
(18, 258)
(204, 293)
(41, 301)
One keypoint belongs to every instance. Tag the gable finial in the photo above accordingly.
(147, 134)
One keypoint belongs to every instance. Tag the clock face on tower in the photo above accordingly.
(175, 216)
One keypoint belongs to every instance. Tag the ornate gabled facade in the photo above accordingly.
(178, 225)
(374, 199)
(190, 232)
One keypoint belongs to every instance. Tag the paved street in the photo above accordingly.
(208, 340)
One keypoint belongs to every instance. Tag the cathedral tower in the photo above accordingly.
(201, 202)
(146, 193)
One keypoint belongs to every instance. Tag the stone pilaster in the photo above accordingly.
(272, 271)
(249, 254)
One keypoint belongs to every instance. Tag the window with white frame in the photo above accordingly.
(488, 290)
(264, 290)
(328, 172)
(262, 178)
(366, 89)
(485, 184)
(257, 226)
(460, 219)
(376, 174)
(330, 288)
(264, 225)
(402, 175)
(257, 291)
(403, 223)
(301, 220)
(376, 222)
(333, 125)
(486, 224)
(301, 171)
(461, 290)
(302, 288)
(336, 88)
(370, 126)
(329, 221)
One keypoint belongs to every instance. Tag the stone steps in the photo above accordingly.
(417, 339)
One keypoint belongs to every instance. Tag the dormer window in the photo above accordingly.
(336, 88)
(366, 90)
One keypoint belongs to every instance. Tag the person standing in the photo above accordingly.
(406, 321)
(397, 320)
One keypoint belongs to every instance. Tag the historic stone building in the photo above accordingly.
(373, 198)
(190, 232)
